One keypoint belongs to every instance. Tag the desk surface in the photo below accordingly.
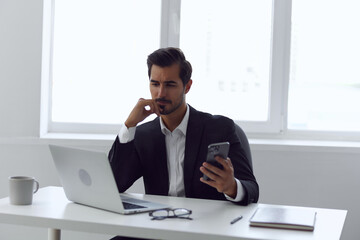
(211, 219)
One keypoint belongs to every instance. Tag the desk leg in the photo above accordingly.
(54, 234)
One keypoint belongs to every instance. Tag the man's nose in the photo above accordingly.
(162, 91)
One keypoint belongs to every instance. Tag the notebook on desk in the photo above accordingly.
(284, 217)
(87, 178)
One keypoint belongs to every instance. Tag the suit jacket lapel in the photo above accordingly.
(192, 146)
(160, 157)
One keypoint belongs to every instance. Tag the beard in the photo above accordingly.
(164, 111)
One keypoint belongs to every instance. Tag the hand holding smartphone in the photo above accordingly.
(216, 149)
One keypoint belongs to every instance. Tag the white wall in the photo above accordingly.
(305, 176)
(313, 177)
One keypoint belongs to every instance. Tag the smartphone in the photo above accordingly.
(216, 149)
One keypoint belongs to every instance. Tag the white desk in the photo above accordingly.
(211, 219)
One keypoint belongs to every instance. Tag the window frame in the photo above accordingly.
(274, 127)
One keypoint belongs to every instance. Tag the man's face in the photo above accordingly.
(167, 88)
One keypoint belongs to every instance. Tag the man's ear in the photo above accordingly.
(188, 86)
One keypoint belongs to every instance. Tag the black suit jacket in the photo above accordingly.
(145, 157)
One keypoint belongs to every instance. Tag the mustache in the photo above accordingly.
(162, 100)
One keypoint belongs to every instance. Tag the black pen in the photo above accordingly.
(235, 220)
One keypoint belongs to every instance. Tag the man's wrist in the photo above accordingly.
(126, 134)
(239, 193)
(233, 190)
(129, 124)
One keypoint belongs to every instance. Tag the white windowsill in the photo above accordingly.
(304, 145)
(79, 136)
(256, 144)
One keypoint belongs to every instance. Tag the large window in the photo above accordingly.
(325, 75)
(99, 58)
(275, 67)
(231, 57)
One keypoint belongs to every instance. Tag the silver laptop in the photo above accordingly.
(87, 178)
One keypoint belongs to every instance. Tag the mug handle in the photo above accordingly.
(36, 186)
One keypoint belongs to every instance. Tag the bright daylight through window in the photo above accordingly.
(99, 58)
(99, 62)
(229, 46)
(325, 78)
(242, 56)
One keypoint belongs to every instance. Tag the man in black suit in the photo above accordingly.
(170, 151)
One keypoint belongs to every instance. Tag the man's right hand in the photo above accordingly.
(143, 109)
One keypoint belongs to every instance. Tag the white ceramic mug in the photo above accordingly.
(21, 189)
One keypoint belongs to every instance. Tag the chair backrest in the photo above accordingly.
(244, 142)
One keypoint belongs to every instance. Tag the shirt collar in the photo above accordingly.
(182, 126)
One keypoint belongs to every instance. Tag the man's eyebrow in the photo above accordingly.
(169, 81)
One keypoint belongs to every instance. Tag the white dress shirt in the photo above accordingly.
(175, 149)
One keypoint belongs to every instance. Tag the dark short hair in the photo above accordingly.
(165, 57)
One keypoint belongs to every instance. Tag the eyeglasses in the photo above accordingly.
(170, 213)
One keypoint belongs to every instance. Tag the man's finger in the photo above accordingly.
(210, 183)
(208, 173)
(149, 106)
(228, 160)
(155, 108)
(226, 163)
(212, 168)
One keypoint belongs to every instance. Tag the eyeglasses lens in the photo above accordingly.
(160, 213)
(181, 212)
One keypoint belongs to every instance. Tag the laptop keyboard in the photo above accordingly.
(131, 206)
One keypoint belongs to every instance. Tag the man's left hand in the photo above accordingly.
(221, 179)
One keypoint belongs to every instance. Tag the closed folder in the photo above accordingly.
(284, 217)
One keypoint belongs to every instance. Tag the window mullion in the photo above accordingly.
(46, 70)
(280, 64)
(170, 23)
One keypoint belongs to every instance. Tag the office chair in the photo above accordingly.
(244, 142)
